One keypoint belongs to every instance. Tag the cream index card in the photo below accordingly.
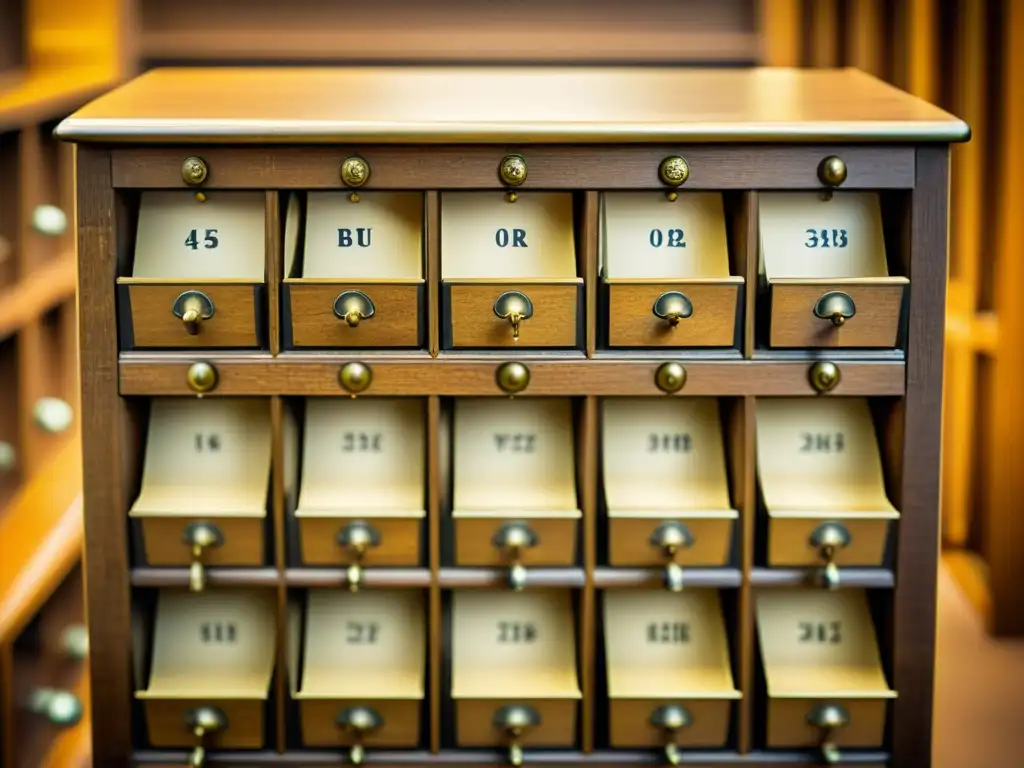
(819, 455)
(662, 456)
(483, 236)
(804, 236)
(664, 645)
(363, 457)
(180, 238)
(213, 644)
(514, 456)
(817, 642)
(513, 644)
(644, 235)
(378, 238)
(206, 456)
(292, 224)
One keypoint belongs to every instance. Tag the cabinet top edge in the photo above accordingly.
(501, 104)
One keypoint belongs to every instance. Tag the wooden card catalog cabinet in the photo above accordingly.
(509, 271)
(514, 680)
(210, 670)
(357, 666)
(821, 478)
(203, 499)
(670, 683)
(514, 496)
(825, 682)
(197, 278)
(824, 261)
(666, 269)
(363, 490)
(665, 484)
(356, 277)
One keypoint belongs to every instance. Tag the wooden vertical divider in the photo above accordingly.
(589, 246)
(824, 30)
(30, 192)
(31, 385)
(864, 27)
(274, 271)
(6, 704)
(435, 631)
(587, 474)
(744, 491)
(10, 215)
(749, 239)
(781, 23)
(277, 511)
(432, 224)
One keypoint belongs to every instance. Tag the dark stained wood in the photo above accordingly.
(589, 244)
(435, 637)
(744, 492)
(278, 511)
(433, 239)
(275, 270)
(587, 452)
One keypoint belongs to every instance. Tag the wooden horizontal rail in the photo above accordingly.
(46, 286)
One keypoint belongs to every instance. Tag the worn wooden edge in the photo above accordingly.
(299, 375)
(50, 504)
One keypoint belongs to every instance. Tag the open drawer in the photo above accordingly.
(665, 482)
(198, 275)
(514, 670)
(666, 271)
(354, 271)
(203, 498)
(210, 669)
(358, 666)
(509, 271)
(819, 467)
(514, 492)
(670, 682)
(825, 682)
(825, 267)
(362, 500)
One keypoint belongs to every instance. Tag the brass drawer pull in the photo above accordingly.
(512, 539)
(60, 708)
(670, 538)
(670, 719)
(359, 721)
(835, 306)
(353, 307)
(201, 537)
(515, 720)
(829, 718)
(192, 308)
(203, 721)
(515, 307)
(673, 307)
(356, 538)
(53, 415)
(828, 538)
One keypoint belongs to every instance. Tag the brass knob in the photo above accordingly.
(355, 377)
(358, 721)
(202, 377)
(670, 719)
(670, 377)
(203, 721)
(74, 642)
(829, 718)
(512, 538)
(512, 170)
(200, 537)
(671, 537)
(515, 307)
(512, 378)
(53, 415)
(8, 456)
(192, 307)
(352, 307)
(835, 306)
(824, 376)
(832, 171)
(60, 708)
(673, 307)
(194, 171)
(515, 720)
(828, 538)
(355, 172)
(673, 171)
(49, 220)
(357, 537)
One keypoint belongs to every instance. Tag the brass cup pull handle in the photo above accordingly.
(353, 307)
(835, 306)
(515, 307)
(512, 539)
(358, 721)
(828, 538)
(671, 719)
(192, 308)
(200, 536)
(673, 307)
(671, 537)
(357, 537)
(202, 722)
(515, 720)
(60, 708)
(829, 718)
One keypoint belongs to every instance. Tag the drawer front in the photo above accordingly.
(714, 322)
(556, 542)
(401, 726)
(630, 723)
(788, 727)
(875, 324)
(629, 542)
(399, 541)
(474, 723)
(398, 318)
(556, 322)
(789, 542)
(167, 723)
(147, 319)
(243, 541)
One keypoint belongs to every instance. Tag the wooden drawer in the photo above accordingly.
(481, 541)
(354, 315)
(168, 541)
(361, 682)
(169, 723)
(514, 661)
(826, 687)
(473, 311)
(637, 313)
(395, 541)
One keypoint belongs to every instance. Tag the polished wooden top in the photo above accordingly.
(508, 105)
